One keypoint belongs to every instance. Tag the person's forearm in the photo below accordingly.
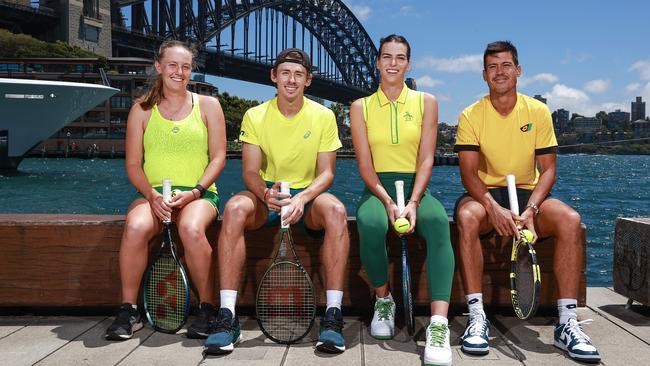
(139, 180)
(254, 183)
(319, 185)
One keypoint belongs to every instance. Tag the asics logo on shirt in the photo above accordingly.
(527, 127)
(243, 133)
(306, 135)
(175, 129)
(408, 117)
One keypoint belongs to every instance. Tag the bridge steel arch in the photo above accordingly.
(330, 22)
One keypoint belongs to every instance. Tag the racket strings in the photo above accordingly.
(165, 297)
(525, 279)
(286, 304)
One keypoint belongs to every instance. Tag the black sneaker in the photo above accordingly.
(225, 333)
(126, 322)
(200, 327)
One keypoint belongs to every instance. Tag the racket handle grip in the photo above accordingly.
(399, 193)
(512, 193)
(167, 191)
(284, 188)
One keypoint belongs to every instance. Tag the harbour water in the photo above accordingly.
(601, 188)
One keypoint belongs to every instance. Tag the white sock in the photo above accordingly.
(134, 306)
(388, 297)
(567, 309)
(439, 319)
(334, 299)
(228, 300)
(475, 304)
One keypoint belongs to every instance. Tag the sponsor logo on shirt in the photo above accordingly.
(243, 133)
(175, 129)
(408, 117)
(527, 127)
(306, 135)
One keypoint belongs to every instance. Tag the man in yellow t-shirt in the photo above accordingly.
(510, 133)
(287, 139)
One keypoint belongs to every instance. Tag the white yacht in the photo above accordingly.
(33, 110)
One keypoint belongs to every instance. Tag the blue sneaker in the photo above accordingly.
(225, 333)
(331, 338)
(475, 338)
(570, 338)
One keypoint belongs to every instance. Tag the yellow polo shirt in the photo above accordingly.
(290, 146)
(507, 144)
(394, 129)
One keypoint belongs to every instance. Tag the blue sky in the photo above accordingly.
(584, 56)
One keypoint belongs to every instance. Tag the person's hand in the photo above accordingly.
(503, 221)
(160, 208)
(274, 199)
(410, 213)
(528, 222)
(393, 212)
(182, 198)
(294, 211)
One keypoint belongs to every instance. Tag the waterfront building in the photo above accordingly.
(540, 98)
(103, 128)
(586, 125)
(561, 120)
(638, 109)
(617, 120)
(640, 128)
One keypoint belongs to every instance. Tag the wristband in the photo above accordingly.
(201, 190)
(266, 192)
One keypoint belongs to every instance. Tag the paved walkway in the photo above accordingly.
(621, 335)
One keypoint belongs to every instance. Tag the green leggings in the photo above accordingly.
(431, 224)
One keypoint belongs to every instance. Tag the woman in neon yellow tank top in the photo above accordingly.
(394, 135)
(171, 133)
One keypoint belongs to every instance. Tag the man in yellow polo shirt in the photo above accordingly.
(510, 133)
(286, 139)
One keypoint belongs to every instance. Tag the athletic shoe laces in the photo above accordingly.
(574, 328)
(477, 326)
(437, 334)
(330, 322)
(384, 309)
(221, 324)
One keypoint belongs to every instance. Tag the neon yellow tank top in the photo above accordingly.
(176, 149)
(394, 129)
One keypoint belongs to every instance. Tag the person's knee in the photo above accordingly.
(191, 234)
(138, 226)
(467, 221)
(335, 215)
(236, 212)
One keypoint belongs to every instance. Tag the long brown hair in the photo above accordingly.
(154, 93)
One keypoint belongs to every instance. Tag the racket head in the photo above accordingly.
(285, 304)
(166, 289)
(407, 294)
(525, 279)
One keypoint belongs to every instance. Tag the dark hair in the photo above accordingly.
(500, 46)
(154, 92)
(398, 39)
(295, 55)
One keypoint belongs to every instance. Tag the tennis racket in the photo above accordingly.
(525, 280)
(285, 304)
(407, 294)
(166, 288)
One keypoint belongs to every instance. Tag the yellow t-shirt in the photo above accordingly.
(290, 146)
(394, 129)
(507, 145)
(176, 149)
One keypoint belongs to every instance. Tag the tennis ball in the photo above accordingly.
(175, 192)
(527, 234)
(402, 225)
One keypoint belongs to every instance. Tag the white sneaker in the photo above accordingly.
(437, 350)
(383, 321)
(476, 336)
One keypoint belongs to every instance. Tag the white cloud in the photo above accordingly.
(406, 10)
(643, 67)
(632, 88)
(427, 81)
(597, 86)
(443, 97)
(577, 101)
(453, 64)
(543, 78)
(362, 12)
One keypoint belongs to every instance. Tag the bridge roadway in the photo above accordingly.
(622, 337)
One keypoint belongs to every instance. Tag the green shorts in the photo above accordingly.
(209, 196)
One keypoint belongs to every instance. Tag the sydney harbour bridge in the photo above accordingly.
(240, 38)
